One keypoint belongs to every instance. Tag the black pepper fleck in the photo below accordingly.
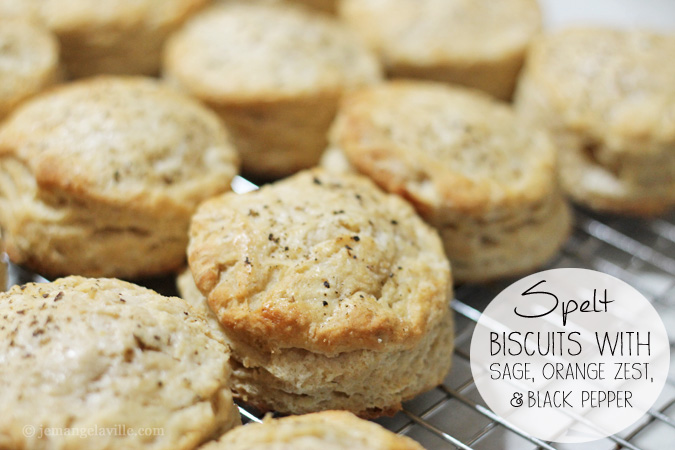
(326, 283)
(247, 262)
(356, 238)
(58, 297)
(325, 303)
(394, 222)
(317, 181)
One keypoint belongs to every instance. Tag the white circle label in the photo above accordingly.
(570, 355)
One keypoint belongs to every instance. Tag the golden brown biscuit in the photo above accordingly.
(608, 98)
(333, 294)
(484, 180)
(113, 36)
(475, 43)
(101, 363)
(29, 61)
(100, 177)
(274, 74)
(329, 430)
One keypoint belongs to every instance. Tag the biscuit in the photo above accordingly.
(274, 74)
(333, 294)
(89, 363)
(113, 37)
(100, 177)
(18, 9)
(475, 43)
(608, 99)
(485, 181)
(329, 430)
(29, 61)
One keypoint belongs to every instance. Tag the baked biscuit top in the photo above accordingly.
(327, 263)
(437, 31)
(240, 51)
(81, 352)
(614, 85)
(444, 147)
(328, 430)
(122, 141)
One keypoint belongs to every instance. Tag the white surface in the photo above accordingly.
(655, 14)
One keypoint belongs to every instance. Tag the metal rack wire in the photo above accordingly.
(453, 415)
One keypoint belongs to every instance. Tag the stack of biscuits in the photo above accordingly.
(326, 293)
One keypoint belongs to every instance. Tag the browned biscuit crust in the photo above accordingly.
(333, 294)
(100, 177)
(484, 180)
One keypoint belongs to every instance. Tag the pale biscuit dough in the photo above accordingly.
(333, 295)
(84, 354)
(100, 177)
(484, 180)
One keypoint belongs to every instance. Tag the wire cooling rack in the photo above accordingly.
(454, 416)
